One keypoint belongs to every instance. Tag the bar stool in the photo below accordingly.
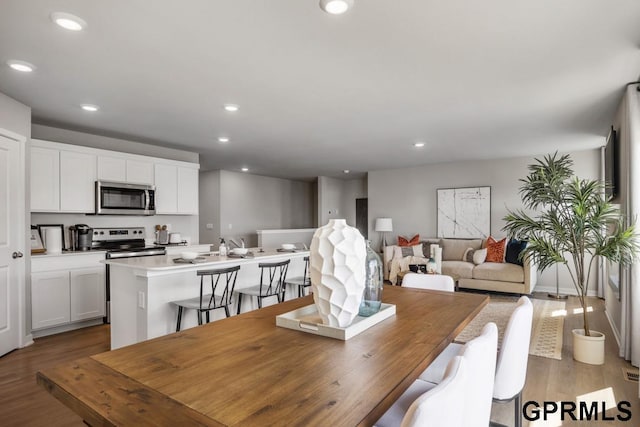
(271, 283)
(303, 281)
(208, 302)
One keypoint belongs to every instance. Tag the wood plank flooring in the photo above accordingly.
(23, 403)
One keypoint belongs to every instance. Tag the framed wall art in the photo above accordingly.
(464, 213)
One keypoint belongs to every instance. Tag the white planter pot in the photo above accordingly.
(588, 349)
(337, 263)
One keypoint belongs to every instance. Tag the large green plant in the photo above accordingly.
(573, 217)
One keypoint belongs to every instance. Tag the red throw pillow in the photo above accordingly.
(495, 249)
(402, 241)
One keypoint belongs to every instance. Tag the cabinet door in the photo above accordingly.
(49, 299)
(187, 191)
(166, 178)
(87, 293)
(77, 182)
(45, 179)
(112, 169)
(140, 172)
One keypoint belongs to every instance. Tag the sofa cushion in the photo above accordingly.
(514, 247)
(458, 269)
(500, 272)
(495, 249)
(426, 245)
(453, 249)
(403, 241)
(405, 251)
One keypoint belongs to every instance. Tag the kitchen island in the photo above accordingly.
(142, 289)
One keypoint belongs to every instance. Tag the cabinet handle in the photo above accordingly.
(17, 255)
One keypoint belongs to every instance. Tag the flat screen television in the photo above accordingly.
(612, 164)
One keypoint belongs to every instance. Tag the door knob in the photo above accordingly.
(17, 255)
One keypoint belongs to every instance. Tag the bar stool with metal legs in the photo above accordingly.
(273, 275)
(211, 301)
(303, 281)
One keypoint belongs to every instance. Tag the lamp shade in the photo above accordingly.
(384, 224)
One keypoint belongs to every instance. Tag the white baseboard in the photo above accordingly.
(616, 333)
(65, 328)
(27, 340)
(552, 290)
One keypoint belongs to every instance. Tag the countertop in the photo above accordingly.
(172, 248)
(166, 263)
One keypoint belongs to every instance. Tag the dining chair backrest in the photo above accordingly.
(443, 404)
(225, 288)
(481, 354)
(437, 282)
(272, 277)
(511, 368)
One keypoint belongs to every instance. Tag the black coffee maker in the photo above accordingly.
(81, 237)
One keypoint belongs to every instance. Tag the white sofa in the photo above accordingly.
(489, 276)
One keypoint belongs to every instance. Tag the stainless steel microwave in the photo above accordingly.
(119, 198)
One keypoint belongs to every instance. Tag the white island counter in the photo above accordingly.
(142, 289)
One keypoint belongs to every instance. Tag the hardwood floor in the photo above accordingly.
(24, 403)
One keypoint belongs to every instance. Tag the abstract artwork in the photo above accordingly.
(464, 213)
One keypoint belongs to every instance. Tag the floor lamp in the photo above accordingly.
(384, 225)
(557, 294)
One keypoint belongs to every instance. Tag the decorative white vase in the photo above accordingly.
(337, 262)
(588, 349)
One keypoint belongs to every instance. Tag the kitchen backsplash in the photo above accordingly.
(186, 225)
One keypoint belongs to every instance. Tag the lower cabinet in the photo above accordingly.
(66, 296)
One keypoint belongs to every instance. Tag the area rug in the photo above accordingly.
(547, 327)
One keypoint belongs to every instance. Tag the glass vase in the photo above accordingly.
(372, 295)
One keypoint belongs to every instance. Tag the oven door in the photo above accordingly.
(115, 198)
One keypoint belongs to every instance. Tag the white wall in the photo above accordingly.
(408, 196)
(15, 116)
(337, 198)
(66, 136)
(252, 202)
(210, 206)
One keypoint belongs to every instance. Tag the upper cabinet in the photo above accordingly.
(63, 178)
(45, 180)
(77, 182)
(120, 169)
(176, 189)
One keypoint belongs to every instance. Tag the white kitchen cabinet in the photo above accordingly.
(112, 169)
(45, 179)
(67, 291)
(187, 191)
(77, 182)
(87, 293)
(121, 169)
(50, 303)
(166, 188)
(140, 172)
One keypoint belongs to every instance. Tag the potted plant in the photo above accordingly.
(572, 217)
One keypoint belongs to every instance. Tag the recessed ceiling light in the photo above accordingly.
(419, 144)
(336, 7)
(90, 107)
(245, 169)
(68, 21)
(346, 171)
(223, 139)
(231, 108)
(22, 66)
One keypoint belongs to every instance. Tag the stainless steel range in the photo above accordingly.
(126, 242)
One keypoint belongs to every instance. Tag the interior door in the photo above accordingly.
(362, 216)
(11, 247)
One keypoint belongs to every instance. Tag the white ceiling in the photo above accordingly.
(321, 93)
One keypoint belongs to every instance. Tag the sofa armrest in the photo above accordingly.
(530, 275)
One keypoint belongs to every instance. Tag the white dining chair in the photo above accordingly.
(511, 367)
(436, 282)
(431, 405)
(474, 397)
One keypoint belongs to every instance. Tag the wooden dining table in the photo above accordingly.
(246, 371)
